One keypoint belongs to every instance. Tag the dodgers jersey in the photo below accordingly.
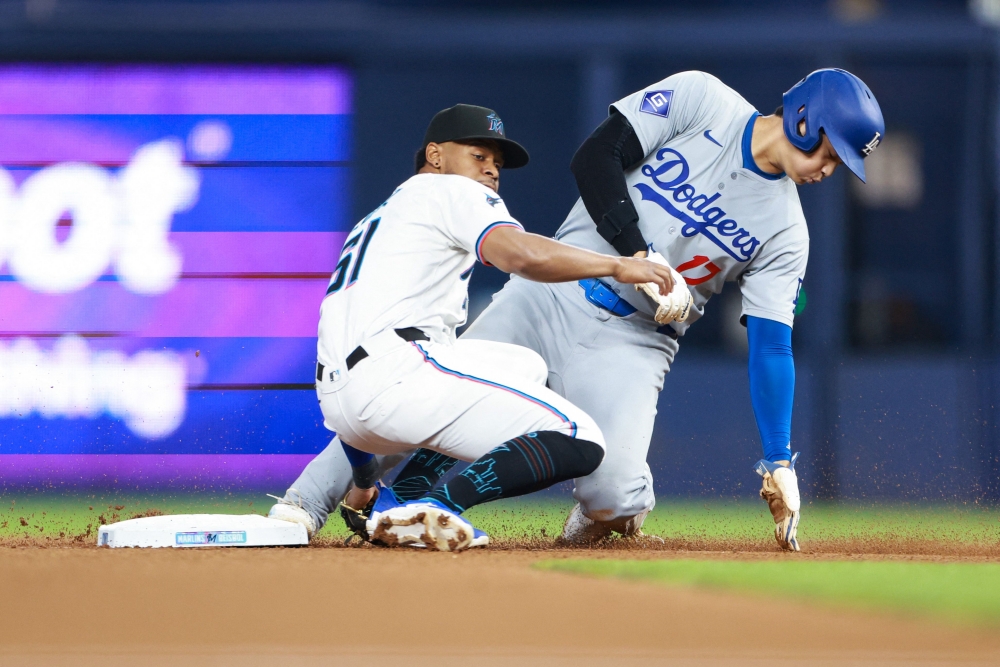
(702, 202)
(408, 263)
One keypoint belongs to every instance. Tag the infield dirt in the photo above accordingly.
(321, 606)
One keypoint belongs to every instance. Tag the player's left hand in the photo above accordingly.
(781, 491)
(356, 518)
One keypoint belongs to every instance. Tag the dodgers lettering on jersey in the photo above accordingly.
(701, 202)
(408, 263)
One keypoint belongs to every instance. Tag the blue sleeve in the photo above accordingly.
(772, 384)
(357, 457)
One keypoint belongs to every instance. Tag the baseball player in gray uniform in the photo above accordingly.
(687, 173)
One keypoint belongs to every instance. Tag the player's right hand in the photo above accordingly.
(674, 306)
(636, 271)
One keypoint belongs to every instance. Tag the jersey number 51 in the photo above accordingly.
(362, 234)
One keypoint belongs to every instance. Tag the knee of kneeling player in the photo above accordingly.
(572, 457)
(591, 455)
(613, 494)
(587, 429)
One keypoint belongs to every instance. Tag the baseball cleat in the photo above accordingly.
(423, 523)
(780, 489)
(385, 501)
(578, 529)
(286, 510)
(479, 538)
(581, 530)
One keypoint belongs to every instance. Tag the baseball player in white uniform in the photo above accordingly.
(391, 376)
(687, 173)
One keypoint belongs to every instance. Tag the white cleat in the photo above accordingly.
(578, 529)
(288, 511)
(780, 489)
(424, 525)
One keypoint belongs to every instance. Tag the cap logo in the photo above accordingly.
(871, 145)
(496, 125)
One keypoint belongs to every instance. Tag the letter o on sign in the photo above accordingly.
(38, 259)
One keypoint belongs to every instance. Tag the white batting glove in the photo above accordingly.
(781, 491)
(675, 306)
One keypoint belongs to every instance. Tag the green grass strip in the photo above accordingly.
(48, 514)
(963, 592)
(717, 519)
(68, 515)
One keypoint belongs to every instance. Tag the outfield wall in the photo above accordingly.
(906, 429)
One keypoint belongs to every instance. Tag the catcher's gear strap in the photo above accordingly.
(599, 168)
(772, 384)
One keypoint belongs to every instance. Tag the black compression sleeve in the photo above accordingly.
(599, 167)
(523, 465)
(421, 474)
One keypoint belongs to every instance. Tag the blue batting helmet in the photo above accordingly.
(836, 103)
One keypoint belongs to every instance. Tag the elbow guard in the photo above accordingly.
(620, 228)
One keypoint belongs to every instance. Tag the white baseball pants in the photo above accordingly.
(462, 399)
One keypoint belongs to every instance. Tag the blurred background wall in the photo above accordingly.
(896, 350)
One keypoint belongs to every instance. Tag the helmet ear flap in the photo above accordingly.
(795, 110)
(801, 104)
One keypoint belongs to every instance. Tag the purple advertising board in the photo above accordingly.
(166, 236)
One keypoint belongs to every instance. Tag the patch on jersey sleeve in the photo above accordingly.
(493, 201)
(657, 102)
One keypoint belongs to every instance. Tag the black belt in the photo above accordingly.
(409, 334)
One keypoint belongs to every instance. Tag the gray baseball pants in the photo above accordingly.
(611, 367)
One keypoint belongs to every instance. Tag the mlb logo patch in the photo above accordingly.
(657, 102)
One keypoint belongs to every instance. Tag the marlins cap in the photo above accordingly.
(465, 122)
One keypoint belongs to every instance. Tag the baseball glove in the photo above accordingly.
(674, 307)
(356, 519)
(781, 492)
